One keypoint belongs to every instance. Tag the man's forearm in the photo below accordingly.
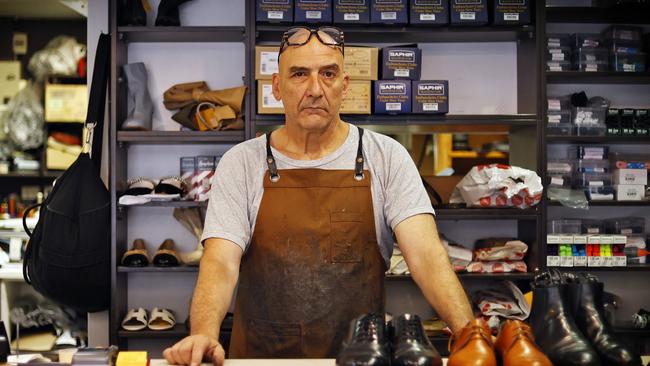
(213, 292)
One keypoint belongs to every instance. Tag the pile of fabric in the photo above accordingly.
(498, 255)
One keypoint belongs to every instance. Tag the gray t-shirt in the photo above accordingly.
(237, 186)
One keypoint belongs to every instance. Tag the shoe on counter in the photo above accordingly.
(411, 346)
(137, 256)
(367, 343)
(554, 328)
(515, 346)
(586, 300)
(166, 255)
(472, 346)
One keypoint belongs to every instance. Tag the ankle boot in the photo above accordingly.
(515, 346)
(472, 346)
(367, 343)
(411, 346)
(139, 105)
(131, 13)
(168, 13)
(555, 331)
(586, 299)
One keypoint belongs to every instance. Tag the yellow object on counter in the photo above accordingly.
(132, 358)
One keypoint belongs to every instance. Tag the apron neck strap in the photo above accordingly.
(273, 168)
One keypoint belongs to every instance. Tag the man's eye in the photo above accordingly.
(329, 74)
(299, 74)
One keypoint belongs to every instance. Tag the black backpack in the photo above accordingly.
(68, 256)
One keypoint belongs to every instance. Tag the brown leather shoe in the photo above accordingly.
(472, 346)
(516, 346)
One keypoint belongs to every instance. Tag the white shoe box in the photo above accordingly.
(629, 192)
(630, 176)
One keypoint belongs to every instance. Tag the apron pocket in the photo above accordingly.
(267, 339)
(345, 237)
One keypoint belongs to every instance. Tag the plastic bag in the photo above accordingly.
(511, 250)
(60, 56)
(568, 197)
(23, 121)
(498, 185)
(497, 267)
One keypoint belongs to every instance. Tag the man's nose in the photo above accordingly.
(314, 88)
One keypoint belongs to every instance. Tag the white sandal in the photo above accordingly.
(135, 319)
(161, 319)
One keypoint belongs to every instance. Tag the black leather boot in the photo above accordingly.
(131, 13)
(586, 301)
(168, 13)
(411, 346)
(367, 343)
(555, 331)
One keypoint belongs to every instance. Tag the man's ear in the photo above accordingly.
(346, 84)
(276, 87)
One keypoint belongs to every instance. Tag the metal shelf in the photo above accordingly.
(610, 203)
(411, 34)
(419, 119)
(447, 213)
(631, 140)
(182, 34)
(620, 15)
(152, 269)
(179, 137)
(185, 204)
(465, 276)
(629, 268)
(30, 175)
(609, 77)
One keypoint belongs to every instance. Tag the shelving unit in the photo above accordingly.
(610, 77)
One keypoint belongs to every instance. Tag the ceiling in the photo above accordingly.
(37, 9)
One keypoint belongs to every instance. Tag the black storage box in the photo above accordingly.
(274, 11)
(511, 12)
(351, 11)
(392, 96)
(430, 96)
(401, 63)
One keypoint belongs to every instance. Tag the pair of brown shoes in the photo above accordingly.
(165, 256)
(515, 345)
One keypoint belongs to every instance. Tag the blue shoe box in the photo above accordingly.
(430, 96)
(313, 11)
(511, 12)
(401, 63)
(274, 11)
(351, 11)
(429, 12)
(392, 96)
(393, 12)
(469, 12)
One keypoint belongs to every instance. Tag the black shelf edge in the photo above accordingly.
(186, 204)
(179, 137)
(463, 275)
(447, 213)
(30, 175)
(609, 77)
(631, 140)
(152, 269)
(411, 34)
(182, 34)
(628, 268)
(610, 203)
(420, 119)
(620, 15)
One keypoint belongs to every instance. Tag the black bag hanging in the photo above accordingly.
(68, 256)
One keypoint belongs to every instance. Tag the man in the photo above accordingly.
(303, 219)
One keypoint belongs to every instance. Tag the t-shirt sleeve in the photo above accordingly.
(227, 214)
(405, 193)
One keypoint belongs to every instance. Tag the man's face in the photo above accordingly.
(311, 84)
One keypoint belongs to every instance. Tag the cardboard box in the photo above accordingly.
(468, 12)
(511, 12)
(361, 63)
(359, 98)
(266, 61)
(630, 176)
(274, 11)
(389, 12)
(9, 80)
(430, 96)
(266, 102)
(429, 12)
(392, 96)
(66, 102)
(629, 192)
(401, 63)
(351, 12)
(59, 156)
(313, 11)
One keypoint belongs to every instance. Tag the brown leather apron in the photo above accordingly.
(312, 266)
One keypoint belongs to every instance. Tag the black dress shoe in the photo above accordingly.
(586, 299)
(554, 328)
(411, 346)
(168, 13)
(131, 13)
(367, 343)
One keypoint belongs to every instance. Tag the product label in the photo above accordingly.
(467, 15)
(429, 17)
(268, 100)
(392, 89)
(351, 17)
(566, 261)
(205, 163)
(555, 181)
(430, 107)
(388, 15)
(431, 89)
(313, 15)
(620, 261)
(511, 17)
(401, 56)
(393, 106)
(552, 261)
(278, 15)
(580, 261)
(608, 261)
(268, 63)
(594, 261)
(402, 73)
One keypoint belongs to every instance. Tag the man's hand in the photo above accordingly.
(192, 350)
